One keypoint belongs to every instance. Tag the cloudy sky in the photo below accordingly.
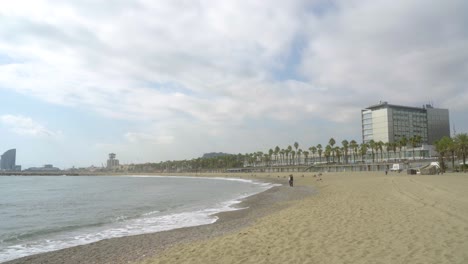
(163, 80)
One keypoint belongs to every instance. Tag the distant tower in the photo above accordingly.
(112, 162)
(8, 160)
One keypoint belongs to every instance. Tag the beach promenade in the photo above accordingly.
(354, 218)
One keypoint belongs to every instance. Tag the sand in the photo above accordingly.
(355, 218)
(350, 218)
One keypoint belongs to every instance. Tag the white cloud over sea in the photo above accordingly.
(23, 125)
(234, 76)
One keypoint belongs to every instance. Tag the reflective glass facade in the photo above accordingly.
(367, 133)
(438, 124)
(8, 161)
(409, 122)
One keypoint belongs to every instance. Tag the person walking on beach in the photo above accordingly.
(291, 180)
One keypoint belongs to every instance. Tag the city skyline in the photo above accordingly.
(169, 81)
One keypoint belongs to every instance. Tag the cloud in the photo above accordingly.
(215, 70)
(402, 51)
(137, 137)
(75, 56)
(22, 125)
(126, 63)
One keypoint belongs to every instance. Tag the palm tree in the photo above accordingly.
(259, 156)
(338, 152)
(296, 145)
(452, 149)
(277, 151)
(282, 153)
(319, 151)
(394, 147)
(299, 153)
(306, 157)
(266, 158)
(293, 154)
(252, 159)
(372, 146)
(354, 146)
(345, 144)
(415, 141)
(270, 154)
(313, 150)
(403, 143)
(442, 147)
(328, 152)
(332, 142)
(289, 149)
(380, 146)
(461, 143)
(363, 150)
(388, 147)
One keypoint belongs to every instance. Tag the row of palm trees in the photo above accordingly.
(194, 165)
(449, 148)
(348, 152)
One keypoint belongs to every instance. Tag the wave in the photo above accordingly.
(126, 228)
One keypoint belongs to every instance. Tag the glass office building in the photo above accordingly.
(389, 123)
(8, 161)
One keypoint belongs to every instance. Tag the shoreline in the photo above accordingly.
(140, 247)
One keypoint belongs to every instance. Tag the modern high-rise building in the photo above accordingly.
(8, 161)
(389, 123)
(112, 162)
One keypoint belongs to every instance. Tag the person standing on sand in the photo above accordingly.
(291, 180)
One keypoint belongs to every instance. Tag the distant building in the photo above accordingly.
(112, 161)
(46, 168)
(8, 160)
(389, 123)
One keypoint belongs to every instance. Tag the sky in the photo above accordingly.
(170, 80)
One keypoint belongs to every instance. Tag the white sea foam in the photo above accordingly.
(127, 228)
(150, 222)
(151, 213)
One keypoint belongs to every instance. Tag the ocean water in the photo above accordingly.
(45, 213)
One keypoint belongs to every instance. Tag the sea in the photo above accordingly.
(45, 213)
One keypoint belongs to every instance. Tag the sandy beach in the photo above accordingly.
(355, 218)
(344, 218)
